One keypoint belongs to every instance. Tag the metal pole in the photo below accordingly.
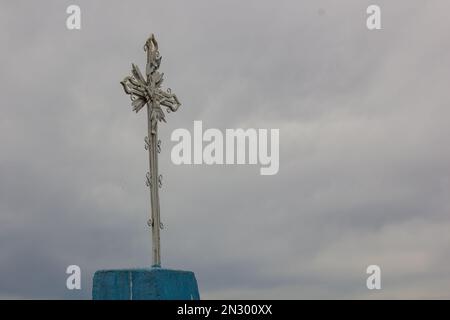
(154, 186)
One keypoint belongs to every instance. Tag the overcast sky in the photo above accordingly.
(364, 158)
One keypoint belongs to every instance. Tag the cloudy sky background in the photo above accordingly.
(364, 158)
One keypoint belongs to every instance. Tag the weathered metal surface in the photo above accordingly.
(147, 91)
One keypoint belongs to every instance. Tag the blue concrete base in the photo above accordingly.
(145, 284)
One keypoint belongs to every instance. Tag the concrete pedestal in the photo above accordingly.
(145, 284)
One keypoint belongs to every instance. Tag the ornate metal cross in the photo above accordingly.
(147, 91)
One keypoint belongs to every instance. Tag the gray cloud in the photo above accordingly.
(364, 174)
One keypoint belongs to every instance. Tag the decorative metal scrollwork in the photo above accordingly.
(160, 181)
(148, 181)
(147, 143)
(158, 146)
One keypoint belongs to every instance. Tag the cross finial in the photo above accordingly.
(147, 91)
